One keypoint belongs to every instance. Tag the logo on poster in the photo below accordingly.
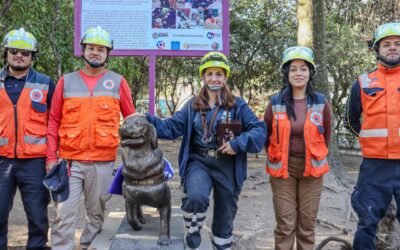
(161, 45)
(215, 45)
(175, 45)
(210, 35)
(159, 34)
(195, 45)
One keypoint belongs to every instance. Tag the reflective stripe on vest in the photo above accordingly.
(366, 133)
(3, 141)
(275, 165)
(109, 86)
(364, 80)
(278, 108)
(34, 140)
(317, 163)
(43, 87)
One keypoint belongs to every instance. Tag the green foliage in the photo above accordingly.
(38, 17)
(260, 31)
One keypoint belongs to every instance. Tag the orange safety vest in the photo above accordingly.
(316, 150)
(90, 122)
(23, 128)
(380, 99)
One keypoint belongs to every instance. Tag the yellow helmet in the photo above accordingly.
(385, 30)
(298, 52)
(97, 36)
(20, 39)
(214, 59)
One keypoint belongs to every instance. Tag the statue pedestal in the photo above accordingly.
(118, 235)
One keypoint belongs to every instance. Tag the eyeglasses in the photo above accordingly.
(24, 52)
(214, 58)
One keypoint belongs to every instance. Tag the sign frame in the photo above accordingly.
(155, 52)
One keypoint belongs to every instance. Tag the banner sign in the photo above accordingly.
(157, 27)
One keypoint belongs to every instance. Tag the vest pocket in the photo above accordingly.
(106, 137)
(274, 153)
(71, 138)
(71, 112)
(38, 112)
(374, 100)
(318, 150)
(35, 139)
(36, 130)
(105, 112)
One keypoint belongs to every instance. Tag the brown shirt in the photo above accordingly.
(297, 144)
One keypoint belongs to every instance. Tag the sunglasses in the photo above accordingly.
(23, 52)
(214, 58)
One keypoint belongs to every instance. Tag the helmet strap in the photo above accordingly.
(95, 65)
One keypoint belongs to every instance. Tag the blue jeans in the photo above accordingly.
(378, 181)
(27, 175)
(204, 174)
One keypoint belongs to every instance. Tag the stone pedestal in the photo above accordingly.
(118, 235)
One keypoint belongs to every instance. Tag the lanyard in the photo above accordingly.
(207, 136)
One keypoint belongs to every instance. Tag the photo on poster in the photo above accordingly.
(163, 18)
(212, 19)
(165, 4)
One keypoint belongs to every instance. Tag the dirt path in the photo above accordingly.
(254, 223)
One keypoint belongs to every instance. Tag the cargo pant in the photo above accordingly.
(203, 175)
(296, 203)
(93, 180)
(378, 181)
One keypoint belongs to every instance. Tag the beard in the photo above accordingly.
(389, 62)
(19, 68)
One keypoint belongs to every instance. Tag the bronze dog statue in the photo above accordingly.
(143, 172)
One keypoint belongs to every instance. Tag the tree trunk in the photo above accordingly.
(321, 77)
(304, 23)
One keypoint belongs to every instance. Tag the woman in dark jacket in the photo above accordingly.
(205, 166)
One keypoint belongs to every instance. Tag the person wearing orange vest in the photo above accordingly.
(375, 97)
(298, 122)
(25, 97)
(83, 129)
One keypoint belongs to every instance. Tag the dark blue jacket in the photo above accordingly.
(251, 140)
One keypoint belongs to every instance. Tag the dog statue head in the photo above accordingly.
(136, 131)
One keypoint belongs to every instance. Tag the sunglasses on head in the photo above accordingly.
(23, 52)
(214, 58)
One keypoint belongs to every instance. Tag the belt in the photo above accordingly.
(210, 152)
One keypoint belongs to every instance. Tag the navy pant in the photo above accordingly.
(204, 174)
(27, 175)
(378, 181)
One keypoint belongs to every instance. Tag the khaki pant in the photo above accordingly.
(296, 203)
(93, 180)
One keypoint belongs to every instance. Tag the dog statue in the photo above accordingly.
(143, 173)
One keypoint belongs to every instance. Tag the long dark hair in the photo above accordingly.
(201, 100)
(287, 90)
